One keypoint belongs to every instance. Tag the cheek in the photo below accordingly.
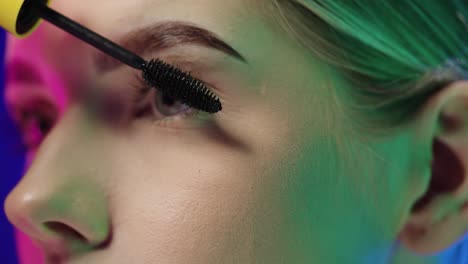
(188, 196)
(207, 216)
(178, 204)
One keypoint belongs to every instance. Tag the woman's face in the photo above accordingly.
(114, 181)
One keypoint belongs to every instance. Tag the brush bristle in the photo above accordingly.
(180, 85)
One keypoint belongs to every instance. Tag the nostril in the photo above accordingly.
(65, 231)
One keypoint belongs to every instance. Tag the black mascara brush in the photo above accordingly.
(168, 79)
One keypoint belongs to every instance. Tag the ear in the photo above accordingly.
(439, 218)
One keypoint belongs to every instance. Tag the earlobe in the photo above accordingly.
(439, 218)
(437, 236)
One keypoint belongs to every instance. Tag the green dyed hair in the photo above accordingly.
(391, 55)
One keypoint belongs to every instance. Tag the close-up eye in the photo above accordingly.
(168, 107)
(163, 109)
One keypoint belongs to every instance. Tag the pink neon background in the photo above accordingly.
(28, 253)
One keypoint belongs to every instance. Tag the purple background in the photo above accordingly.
(11, 164)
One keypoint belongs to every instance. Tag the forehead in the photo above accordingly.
(240, 23)
(116, 16)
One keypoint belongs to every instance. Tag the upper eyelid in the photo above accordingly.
(171, 55)
(137, 79)
(195, 66)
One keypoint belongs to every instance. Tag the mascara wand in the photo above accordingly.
(21, 17)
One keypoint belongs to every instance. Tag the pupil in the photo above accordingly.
(168, 100)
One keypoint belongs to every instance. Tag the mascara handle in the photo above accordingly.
(19, 17)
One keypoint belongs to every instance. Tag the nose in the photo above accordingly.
(67, 219)
(58, 203)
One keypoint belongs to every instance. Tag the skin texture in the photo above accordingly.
(267, 180)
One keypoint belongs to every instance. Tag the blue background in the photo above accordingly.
(11, 167)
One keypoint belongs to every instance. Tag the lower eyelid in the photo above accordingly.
(183, 117)
(142, 111)
(188, 122)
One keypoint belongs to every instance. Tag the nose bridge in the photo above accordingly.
(60, 186)
(73, 138)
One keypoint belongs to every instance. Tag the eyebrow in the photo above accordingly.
(165, 35)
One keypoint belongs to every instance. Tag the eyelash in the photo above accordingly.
(141, 91)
